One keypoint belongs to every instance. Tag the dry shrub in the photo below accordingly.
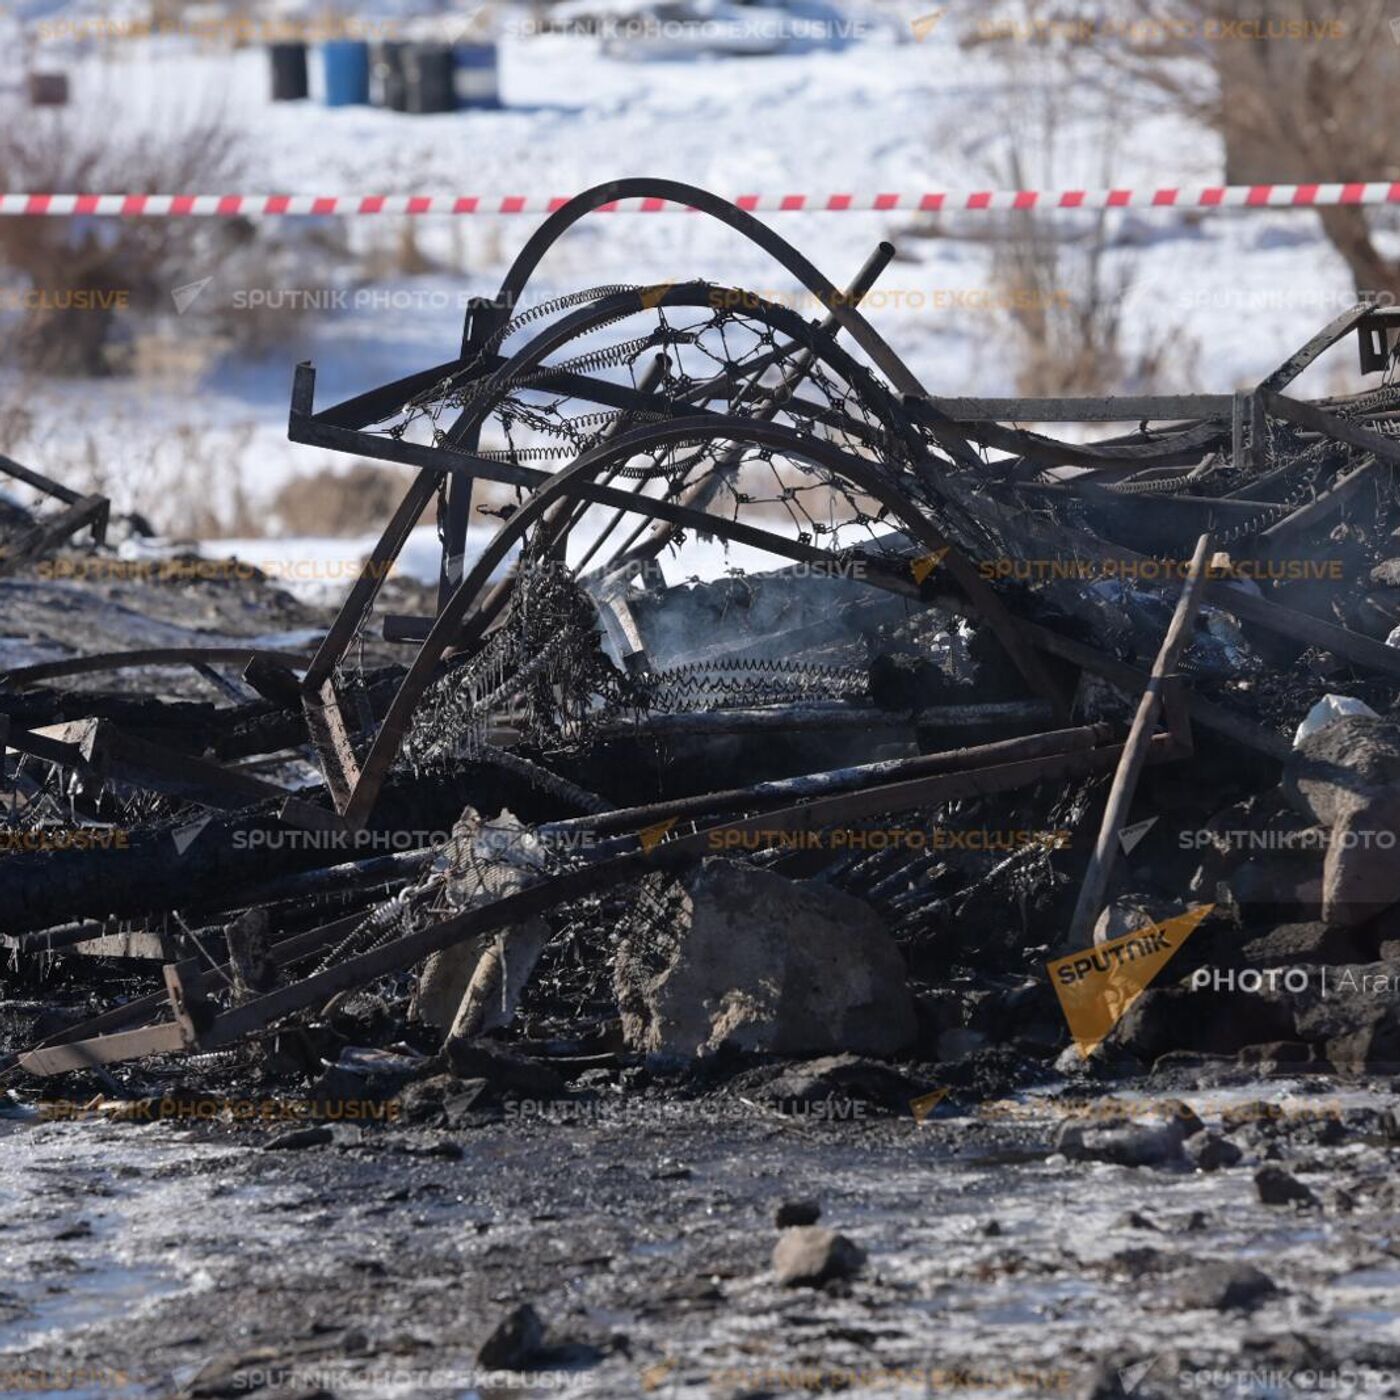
(122, 272)
(1292, 110)
(355, 502)
(101, 264)
(1068, 309)
(1064, 296)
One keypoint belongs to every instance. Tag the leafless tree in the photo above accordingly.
(1300, 91)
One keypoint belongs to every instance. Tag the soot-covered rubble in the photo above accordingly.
(863, 844)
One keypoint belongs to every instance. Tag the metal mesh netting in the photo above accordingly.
(717, 358)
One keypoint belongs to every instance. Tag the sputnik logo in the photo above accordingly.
(925, 564)
(923, 1106)
(652, 836)
(653, 296)
(1130, 836)
(1099, 985)
(185, 297)
(924, 25)
(1130, 1377)
(185, 836)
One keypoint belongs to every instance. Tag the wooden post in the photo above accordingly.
(1130, 765)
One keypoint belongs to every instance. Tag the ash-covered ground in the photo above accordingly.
(960, 961)
(346, 1208)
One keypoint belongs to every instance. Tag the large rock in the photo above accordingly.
(1209, 1020)
(1361, 875)
(1125, 1144)
(809, 1256)
(1264, 853)
(515, 1342)
(841, 1082)
(1277, 1187)
(1290, 945)
(1347, 777)
(1358, 1021)
(764, 964)
(1225, 1286)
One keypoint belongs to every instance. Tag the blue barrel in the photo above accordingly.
(347, 72)
(476, 75)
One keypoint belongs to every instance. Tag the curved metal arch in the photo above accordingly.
(807, 335)
(778, 248)
(447, 629)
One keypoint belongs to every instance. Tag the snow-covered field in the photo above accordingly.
(887, 113)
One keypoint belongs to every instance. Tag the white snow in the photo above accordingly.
(1246, 287)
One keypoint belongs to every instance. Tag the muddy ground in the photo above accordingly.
(191, 1258)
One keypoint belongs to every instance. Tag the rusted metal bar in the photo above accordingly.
(22, 676)
(44, 1059)
(1125, 409)
(1305, 415)
(783, 790)
(49, 533)
(1125, 780)
(829, 715)
(413, 947)
(1179, 448)
(372, 574)
(1320, 508)
(39, 481)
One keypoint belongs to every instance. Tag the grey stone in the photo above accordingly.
(1277, 1188)
(842, 1079)
(1361, 874)
(1358, 1022)
(1208, 1152)
(1125, 1145)
(1342, 767)
(508, 1074)
(515, 1341)
(792, 1213)
(1209, 1020)
(1226, 1286)
(1288, 945)
(810, 1256)
(300, 1138)
(1347, 777)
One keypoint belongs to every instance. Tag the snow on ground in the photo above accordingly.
(883, 114)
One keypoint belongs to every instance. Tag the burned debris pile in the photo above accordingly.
(944, 700)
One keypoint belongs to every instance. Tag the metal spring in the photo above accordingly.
(759, 681)
(541, 777)
(494, 341)
(610, 358)
(462, 393)
(1157, 486)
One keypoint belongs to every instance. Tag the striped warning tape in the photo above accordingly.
(1202, 197)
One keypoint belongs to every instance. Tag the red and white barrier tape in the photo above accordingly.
(1201, 197)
